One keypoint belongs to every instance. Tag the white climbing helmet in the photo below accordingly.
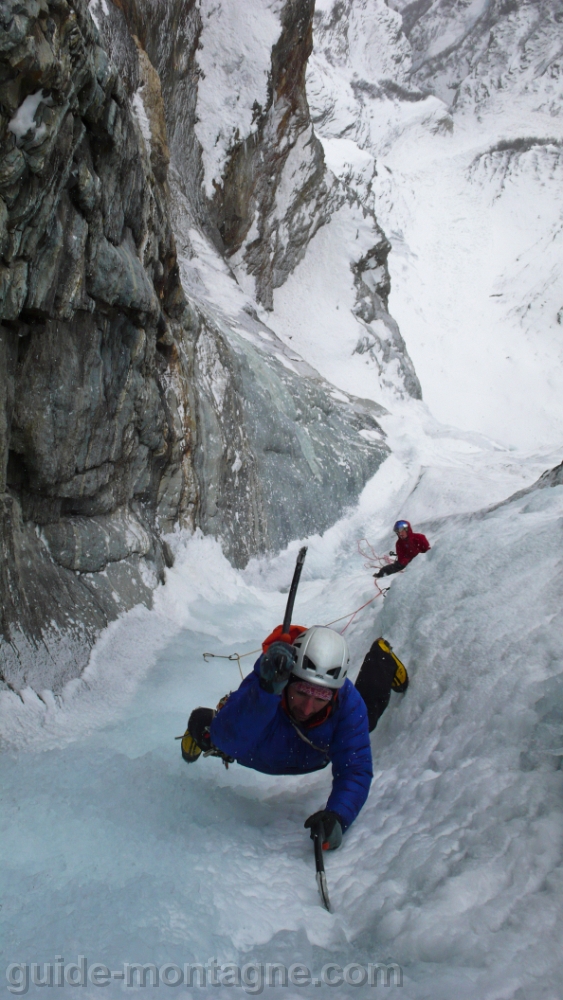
(322, 657)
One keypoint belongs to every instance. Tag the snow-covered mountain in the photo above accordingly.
(447, 118)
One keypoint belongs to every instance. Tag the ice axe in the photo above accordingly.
(318, 832)
(293, 590)
(318, 836)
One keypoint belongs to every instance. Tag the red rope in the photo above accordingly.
(373, 560)
(353, 614)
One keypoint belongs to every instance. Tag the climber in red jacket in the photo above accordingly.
(409, 544)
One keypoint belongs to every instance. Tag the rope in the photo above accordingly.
(353, 614)
(373, 561)
(233, 656)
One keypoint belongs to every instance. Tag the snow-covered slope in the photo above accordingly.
(452, 870)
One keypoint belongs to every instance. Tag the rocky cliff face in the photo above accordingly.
(145, 386)
(253, 178)
(97, 419)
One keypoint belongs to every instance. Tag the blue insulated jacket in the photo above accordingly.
(254, 728)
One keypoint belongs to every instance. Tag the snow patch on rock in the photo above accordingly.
(234, 59)
(142, 117)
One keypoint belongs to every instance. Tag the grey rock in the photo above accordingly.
(88, 544)
(46, 650)
(283, 143)
(334, 32)
(259, 165)
(12, 166)
(269, 470)
(116, 277)
(4, 241)
(93, 437)
(550, 478)
(13, 288)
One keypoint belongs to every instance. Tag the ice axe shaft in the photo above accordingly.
(318, 832)
(318, 837)
(293, 589)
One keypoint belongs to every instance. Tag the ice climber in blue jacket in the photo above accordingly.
(297, 711)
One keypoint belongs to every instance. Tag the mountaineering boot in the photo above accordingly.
(400, 680)
(190, 749)
(380, 673)
(196, 740)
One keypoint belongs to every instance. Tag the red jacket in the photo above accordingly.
(409, 547)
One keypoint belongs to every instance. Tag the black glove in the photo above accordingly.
(276, 665)
(330, 827)
(199, 723)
